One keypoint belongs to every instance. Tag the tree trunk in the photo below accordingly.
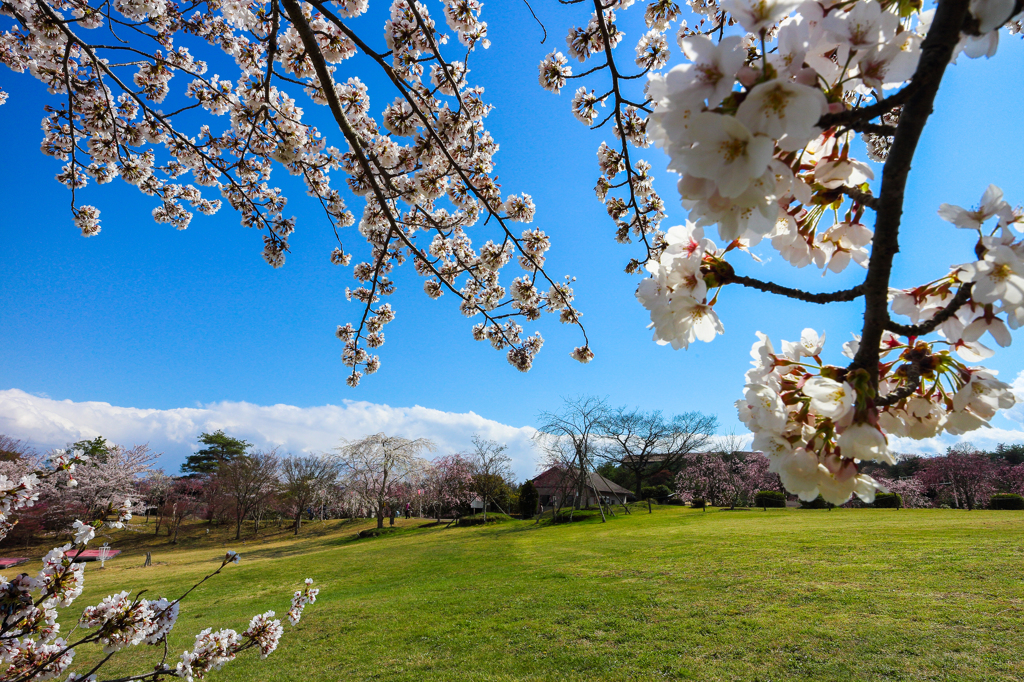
(238, 527)
(639, 485)
(380, 516)
(298, 521)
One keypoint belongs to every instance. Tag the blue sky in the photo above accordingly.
(148, 317)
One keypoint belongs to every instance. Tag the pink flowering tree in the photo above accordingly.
(912, 490)
(963, 476)
(705, 476)
(31, 647)
(763, 117)
(448, 484)
(724, 479)
(1011, 479)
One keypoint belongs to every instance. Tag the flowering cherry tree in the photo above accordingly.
(760, 123)
(448, 484)
(31, 645)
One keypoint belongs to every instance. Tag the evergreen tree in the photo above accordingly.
(97, 449)
(528, 497)
(220, 449)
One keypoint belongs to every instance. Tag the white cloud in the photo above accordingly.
(47, 423)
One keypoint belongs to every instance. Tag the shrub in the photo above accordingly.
(1006, 501)
(676, 501)
(376, 532)
(888, 500)
(817, 503)
(655, 492)
(478, 519)
(567, 515)
(697, 503)
(769, 498)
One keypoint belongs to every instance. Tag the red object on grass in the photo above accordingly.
(11, 563)
(93, 554)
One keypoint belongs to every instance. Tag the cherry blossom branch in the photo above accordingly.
(845, 118)
(619, 100)
(963, 295)
(861, 197)
(936, 51)
(326, 81)
(403, 89)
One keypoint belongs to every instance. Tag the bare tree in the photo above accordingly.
(574, 430)
(246, 480)
(154, 489)
(638, 441)
(375, 467)
(184, 500)
(492, 470)
(304, 479)
(14, 449)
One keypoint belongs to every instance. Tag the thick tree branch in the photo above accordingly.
(936, 52)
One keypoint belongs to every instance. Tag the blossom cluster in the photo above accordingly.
(300, 600)
(818, 422)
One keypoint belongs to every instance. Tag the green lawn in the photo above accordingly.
(858, 594)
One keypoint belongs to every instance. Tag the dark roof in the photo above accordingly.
(550, 482)
(655, 458)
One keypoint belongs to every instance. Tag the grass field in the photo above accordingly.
(848, 594)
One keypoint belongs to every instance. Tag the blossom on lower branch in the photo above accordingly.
(817, 423)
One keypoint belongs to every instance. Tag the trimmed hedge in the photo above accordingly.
(478, 519)
(655, 492)
(697, 503)
(888, 501)
(769, 498)
(817, 503)
(376, 532)
(1006, 501)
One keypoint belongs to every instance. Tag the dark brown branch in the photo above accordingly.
(869, 112)
(874, 128)
(962, 296)
(862, 198)
(936, 52)
(913, 375)
(772, 288)
(539, 22)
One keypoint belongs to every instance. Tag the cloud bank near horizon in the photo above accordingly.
(46, 423)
